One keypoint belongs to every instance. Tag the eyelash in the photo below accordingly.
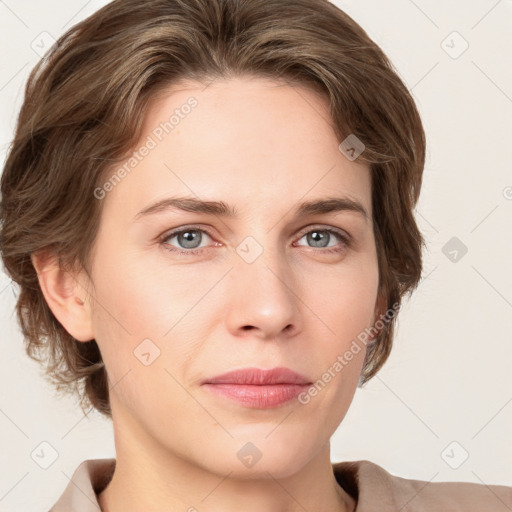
(345, 238)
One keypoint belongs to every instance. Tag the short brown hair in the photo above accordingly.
(83, 109)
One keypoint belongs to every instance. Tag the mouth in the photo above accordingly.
(256, 388)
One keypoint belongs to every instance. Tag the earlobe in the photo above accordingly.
(64, 295)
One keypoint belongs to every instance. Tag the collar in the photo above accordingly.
(373, 488)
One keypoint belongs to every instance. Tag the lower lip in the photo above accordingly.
(260, 397)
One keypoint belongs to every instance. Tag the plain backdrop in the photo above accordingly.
(441, 408)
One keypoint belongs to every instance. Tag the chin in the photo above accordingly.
(251, 457)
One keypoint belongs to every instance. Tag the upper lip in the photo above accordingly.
(257, 376)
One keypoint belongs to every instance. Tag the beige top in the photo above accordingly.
(374, 489)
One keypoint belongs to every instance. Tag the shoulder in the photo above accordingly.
(373, 486)
(81, 492)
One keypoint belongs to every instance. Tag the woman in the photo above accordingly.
(208, 207)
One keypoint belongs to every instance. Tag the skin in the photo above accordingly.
(261, 146)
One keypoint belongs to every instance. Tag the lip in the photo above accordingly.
(256, 388)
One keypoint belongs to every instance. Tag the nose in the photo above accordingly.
(263, 298)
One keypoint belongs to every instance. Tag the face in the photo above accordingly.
(271, 285)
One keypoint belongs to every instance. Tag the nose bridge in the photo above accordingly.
(262, 287)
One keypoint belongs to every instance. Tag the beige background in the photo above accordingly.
(446, 391)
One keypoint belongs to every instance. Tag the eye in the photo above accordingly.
(188, 240)
(320, 238)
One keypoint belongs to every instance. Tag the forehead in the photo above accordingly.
(248, 141)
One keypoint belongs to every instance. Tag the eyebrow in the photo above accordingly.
(222, 209)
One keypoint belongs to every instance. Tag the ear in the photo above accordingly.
(65, 296)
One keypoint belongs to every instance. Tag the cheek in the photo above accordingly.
(344, 299)
(142, 362)
(343, 296)
(144, 307)
(142, 295)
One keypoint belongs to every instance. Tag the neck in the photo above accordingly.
(149, 477)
